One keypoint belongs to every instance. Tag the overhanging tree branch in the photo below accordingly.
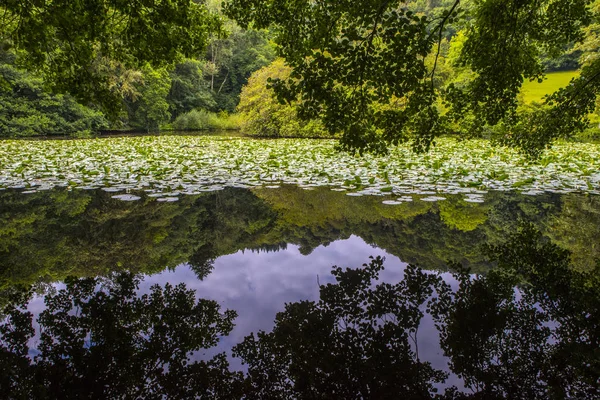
(441, 26)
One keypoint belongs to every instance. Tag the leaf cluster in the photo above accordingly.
(348, 58)
(68, 40)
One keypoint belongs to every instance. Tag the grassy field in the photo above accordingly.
(535, 92)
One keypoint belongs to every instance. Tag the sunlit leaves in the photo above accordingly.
(69, 41)
(352, 59)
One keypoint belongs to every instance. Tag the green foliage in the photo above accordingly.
(27, 109)
(152, 109)
(591, 40)
(263, 115)
(197, 120)
(572, 229)
(70, 41)
(349, 57)
(346, 55)
(569, 61)
(189, 90)
(503, 57)
(232, 59)
(461, 215)
(92, 233)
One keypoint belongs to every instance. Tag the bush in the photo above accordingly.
(589, 135)
(197, 120)
(26, 109)
(262, 115)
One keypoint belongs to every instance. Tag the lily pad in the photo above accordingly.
(433, 198)
(126, 197)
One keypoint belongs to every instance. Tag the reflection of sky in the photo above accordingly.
(257, 286)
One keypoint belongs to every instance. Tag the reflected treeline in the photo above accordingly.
(528, 329)
(50, 235)
(99, 339)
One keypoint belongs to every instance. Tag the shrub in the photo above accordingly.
(263, 115)
(26, 109)
(197, 120)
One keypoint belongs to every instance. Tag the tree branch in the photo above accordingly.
(441, 33)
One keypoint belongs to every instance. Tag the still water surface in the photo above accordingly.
(522, 322)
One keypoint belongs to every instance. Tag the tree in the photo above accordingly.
(264, 116)
(234, 59)
(69, 40)
(152, 108)
(27, 109)
(232, 56)
(189, 90)
(588, 47)
(591, 41)
(349, 56)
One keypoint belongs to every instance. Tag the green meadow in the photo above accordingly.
(535, 91)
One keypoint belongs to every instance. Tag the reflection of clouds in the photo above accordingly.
(258, 284)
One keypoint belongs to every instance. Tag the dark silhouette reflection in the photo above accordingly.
(542, 341)
(355, 342)
(359, 341)
(528, 329)
(108, 342)
(202, 261)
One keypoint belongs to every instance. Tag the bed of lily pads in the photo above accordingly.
(167, 166)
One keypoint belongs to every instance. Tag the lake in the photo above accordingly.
(224, 267)
(152, 298)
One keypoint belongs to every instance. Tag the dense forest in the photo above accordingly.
(231, 84)
(191, 94)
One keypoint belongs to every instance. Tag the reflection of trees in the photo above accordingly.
(539, 342)
(50, 235)
(355, 342)
(54, 234)
(359, 340)
(577, 228)
(202, 261)
(112, 343)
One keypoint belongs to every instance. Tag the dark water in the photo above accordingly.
(109, 299)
